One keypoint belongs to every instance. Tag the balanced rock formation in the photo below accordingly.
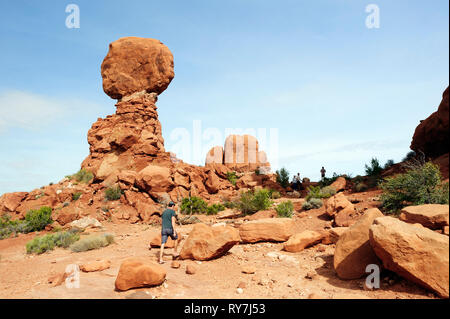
(130, 61)
(205, 242)
(268, 229)
(415, 253)
(241, 153)
(353, 251)
(138, 272)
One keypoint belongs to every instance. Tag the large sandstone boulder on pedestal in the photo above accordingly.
(136, 64)
(139, 272)
(205, 242)
(433, 216)
(353, 251)
(269, 229)
(415, 253)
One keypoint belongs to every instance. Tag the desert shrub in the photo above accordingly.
(421, 184)
(285, 209)
(187, 220)
(230, 204)
(360, 187)
(232, 177)
(257, 171)
(388, 164)
(48, 242)
(38, 219)
(250, 202)
(312, 203)
(193, 205)
(76, 196)
(317, 192)
(113, 193)
(213, 209)
(92, 242)
(82, 176)
(283, 177)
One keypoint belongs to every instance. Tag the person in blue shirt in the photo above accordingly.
(168, 230)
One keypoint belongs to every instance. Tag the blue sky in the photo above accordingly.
(337, 92)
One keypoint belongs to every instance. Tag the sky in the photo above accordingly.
(316, 85)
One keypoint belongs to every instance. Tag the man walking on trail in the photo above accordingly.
(168, 229)
(322, 172)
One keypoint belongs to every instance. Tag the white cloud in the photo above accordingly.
(20, 109)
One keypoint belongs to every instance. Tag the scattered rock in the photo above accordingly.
(242, 285)
(239, 290)
(205, 242)
(191, 269)
(155, 240)
(139, 272)
(95, 266)
(86, 222)
(339, 184)
(417, 254)
(175, 264)
(248, 270)
(433, 216)
(353, 251)
(269, 229)
(336, 232)
(311, 275)
(298, 242)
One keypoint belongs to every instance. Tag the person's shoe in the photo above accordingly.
(161, 261)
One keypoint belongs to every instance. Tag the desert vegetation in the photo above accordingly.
(42, 244)
(35, 220)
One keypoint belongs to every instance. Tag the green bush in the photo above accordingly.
(76, 196)
(421, 184)
(113, 193)
(214, 209)
(83, 176)
(312, 203)
(232, 177)
(230, 204)
(283, 177)
(193, 205)
(37, 219)
(409, 156)
(251, 202)
(374, 169)
(285, 209)
(317, 192)
(92, 242)
(42, 244)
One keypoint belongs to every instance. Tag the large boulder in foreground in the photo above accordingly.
(268, 229)
(205, 242)
(353, 251)
(433, 216)
(136, 64)
(139, 272)
(415, 253)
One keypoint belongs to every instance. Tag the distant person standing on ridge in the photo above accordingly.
(168, 229)
(322, 172)
(299, 181)
(294, 182)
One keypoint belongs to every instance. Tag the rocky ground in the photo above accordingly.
(306, 274)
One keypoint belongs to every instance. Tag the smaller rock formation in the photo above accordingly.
(433, 216)
(300, 241)
(240, 153)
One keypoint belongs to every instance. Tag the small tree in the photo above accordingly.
(283, 177)
(374, 169)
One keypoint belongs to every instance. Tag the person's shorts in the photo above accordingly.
(165, 233)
